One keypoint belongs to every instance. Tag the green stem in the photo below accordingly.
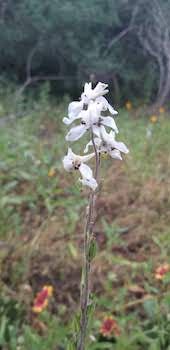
(84, 299)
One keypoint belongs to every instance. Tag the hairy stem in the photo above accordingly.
(89, 223)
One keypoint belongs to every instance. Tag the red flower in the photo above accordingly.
(110, 327)
(41, 300)
(161, 271)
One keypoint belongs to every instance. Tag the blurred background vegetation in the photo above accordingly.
(48, 49)
(124, 43)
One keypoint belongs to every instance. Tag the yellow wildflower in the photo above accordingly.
(161, 110)
(153, 119)
(128, 105)
(51, 173)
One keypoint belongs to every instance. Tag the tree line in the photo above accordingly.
(125, 43)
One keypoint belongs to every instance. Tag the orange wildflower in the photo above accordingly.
(161, 271)
(153, 119)
(51, 173)
(41, 300)
(161, 110)
(110, 327)
(128, 105)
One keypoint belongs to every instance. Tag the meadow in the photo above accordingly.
(41, 223)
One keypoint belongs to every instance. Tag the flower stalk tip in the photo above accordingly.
(88, 114)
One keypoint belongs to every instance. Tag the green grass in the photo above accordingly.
(37, 210)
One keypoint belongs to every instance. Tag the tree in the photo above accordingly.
(70, 41)
(154, 36)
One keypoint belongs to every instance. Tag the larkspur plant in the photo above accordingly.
(90, 112)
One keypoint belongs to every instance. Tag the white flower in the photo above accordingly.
(73, 161)
(105, 105)
(106, 143)
(91, 112)
(91, 118)
(149, 132)
(87, 177)
(76, 107)
(92, 94)
(109, 139)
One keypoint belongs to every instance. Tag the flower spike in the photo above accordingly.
(92, 115)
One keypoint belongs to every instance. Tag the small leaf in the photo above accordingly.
(4, 322)
(72, 250)
(151, 307)
(101, 345)
(10, 186)
(13, 200)
(166, 278)
(92, 249)
(90, 310)
(166, 300)
(75, 324)
(70, 347)
(26, 176)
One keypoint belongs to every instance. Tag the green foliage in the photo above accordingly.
(54, 337)
(30, 147)
(72, 40)
(11, 318)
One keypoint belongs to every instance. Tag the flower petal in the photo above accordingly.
(112, 110)
(91, 182)
(87, 177)
(85, 159)
(109, 121)
(111, 143)
(67, 121)
(69, 159)
(87, 88)
(87, 146)
(120, 146)
(85, 171)
(106, 105)
(67, 163)
(115, 154)
(76, 133)
(75, 108)
(112, 134)
(100, 90)
(96, 130)
(70, 152)
(97, 142)
(82, 115)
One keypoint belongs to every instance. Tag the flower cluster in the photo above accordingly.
(41, 300)
(110, 327)
(91, 113)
